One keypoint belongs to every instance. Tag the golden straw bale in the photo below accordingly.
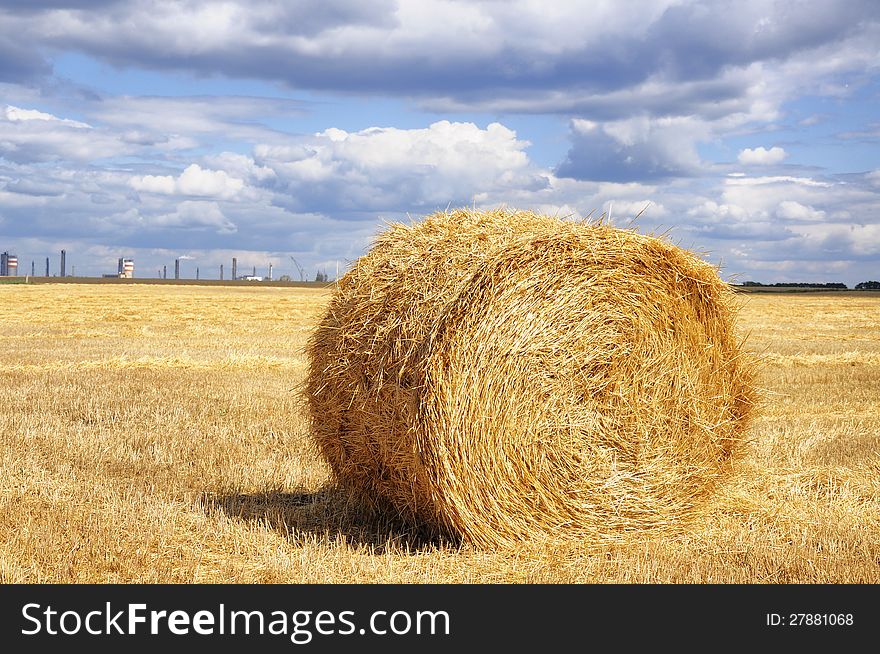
(503, 376)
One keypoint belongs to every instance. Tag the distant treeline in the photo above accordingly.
(836, 286)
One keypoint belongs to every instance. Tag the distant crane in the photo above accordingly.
(302, 273)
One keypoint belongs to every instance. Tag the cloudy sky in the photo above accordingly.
(747, 130)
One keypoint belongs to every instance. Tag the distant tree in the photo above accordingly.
(321, 276)
(868, 286)
(284, 278)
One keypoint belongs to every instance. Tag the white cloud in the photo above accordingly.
(154, 184)
(241, 166)
(382, 167)
(760, 156)
(845, 240)
(720, 212)
(726, 221)
(30, 135)
(194, 181)
(633, 149)
(448, 148)
(192, 214)
(17, 114)
(790, 210)
(744, 180)
(163, 120)
(785, 197)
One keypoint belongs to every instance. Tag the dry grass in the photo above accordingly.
(153, 434)
(503, 376)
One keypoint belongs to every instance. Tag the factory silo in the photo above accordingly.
(8, 265)
(125, 268)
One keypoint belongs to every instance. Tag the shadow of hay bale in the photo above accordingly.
(328, 513)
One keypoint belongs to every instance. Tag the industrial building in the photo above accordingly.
(8, 265)
(126, 268)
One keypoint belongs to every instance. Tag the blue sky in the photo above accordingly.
(157, 130)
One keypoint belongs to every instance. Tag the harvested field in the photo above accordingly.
(155, 434)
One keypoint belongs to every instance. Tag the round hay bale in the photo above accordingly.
(503, 376)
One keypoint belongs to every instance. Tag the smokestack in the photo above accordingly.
(164, 272)
(33, 268)
(221, 271)
(63, 262)
(234, 268)
(270, 272)
(197, 272)
(177, 269)
(47, 266)
(255, 271)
